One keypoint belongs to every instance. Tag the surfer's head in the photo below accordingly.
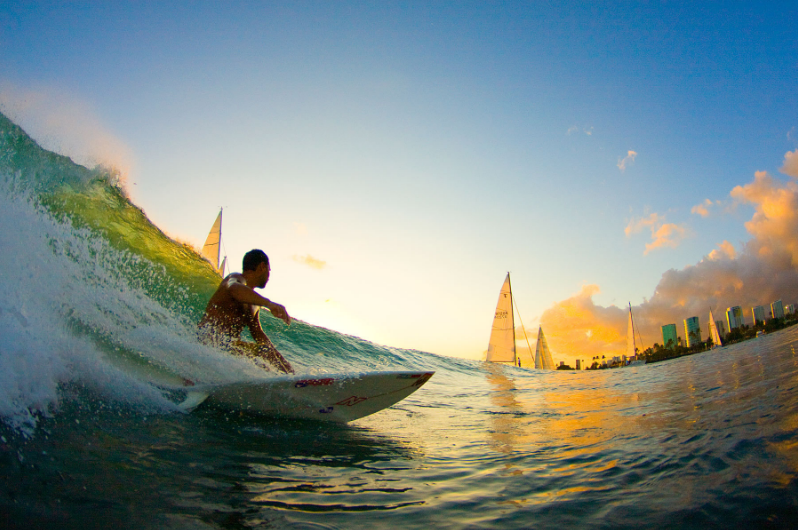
(257, 261)
(253, 258)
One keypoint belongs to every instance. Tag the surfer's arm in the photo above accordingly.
(267, 349)
(256, 330)
(246, 295)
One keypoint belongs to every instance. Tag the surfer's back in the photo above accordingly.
(224, 315)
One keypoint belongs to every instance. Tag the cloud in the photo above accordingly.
(65, 125)
(311, 262)
(667, 235)
(703, 208)
(725, 250)
(774, 224)
(662, 234)
(301, 229)
(578, 328)
(762, 270)
(627, 160)
(706, 208)
(636, 226)
(790, 166)
(587, 130)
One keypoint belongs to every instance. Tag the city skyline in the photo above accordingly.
(669, 331)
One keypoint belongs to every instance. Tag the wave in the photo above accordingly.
(93, 294)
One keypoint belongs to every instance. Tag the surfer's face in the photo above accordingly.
(263, 271)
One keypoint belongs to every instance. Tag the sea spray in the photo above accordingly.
(47, 287)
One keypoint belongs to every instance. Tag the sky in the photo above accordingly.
(397, 159)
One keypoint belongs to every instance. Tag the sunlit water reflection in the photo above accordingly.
(707, 440)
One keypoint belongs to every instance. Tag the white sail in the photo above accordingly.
(631, 348)
(543, 360)
(212, 247)
(713, 331)
(501, 348)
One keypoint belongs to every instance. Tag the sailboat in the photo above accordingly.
(543, 360)
(501, 347)
(212, 249)
(713, 331)
(631, 344)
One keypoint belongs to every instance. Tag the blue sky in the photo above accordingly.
(421, 150)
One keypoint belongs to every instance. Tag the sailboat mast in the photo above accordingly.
(522, 329)
(219, 252)
(219, 245)
(512, 317)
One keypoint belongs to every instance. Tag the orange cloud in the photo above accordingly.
(577, 328)
(763, 270)
(662, 234)
(775, 221)
(790, 166)
(667, 235)
(637, 225)
(724, 250)
(310, 261)
(703, 209)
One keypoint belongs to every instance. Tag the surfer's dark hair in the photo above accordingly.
(253, 258)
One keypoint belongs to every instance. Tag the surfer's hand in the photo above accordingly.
(280, 312)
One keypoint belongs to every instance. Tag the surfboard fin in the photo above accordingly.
(193, 400)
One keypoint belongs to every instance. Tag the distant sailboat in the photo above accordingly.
(501, 347)
(543, 360)
(631, 343)
(713, 331)
(212, 249)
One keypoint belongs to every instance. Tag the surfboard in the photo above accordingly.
(327, 397)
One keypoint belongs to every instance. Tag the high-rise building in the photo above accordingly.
(777, 309)
(721, 327)
(734, 317)
(759, 314)
(669, 334)
(692, 331)
(789, 309)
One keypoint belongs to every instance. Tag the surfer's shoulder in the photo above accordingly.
(234, 278)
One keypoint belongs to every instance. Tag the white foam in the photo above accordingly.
(69, 314)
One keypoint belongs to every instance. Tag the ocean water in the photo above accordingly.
(97, 318)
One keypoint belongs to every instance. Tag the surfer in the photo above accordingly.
(236, 305)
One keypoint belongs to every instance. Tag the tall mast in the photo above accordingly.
(631, 340)
(512, 317)
(219, 252)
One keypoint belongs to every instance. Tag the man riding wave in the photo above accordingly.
(236, 305)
